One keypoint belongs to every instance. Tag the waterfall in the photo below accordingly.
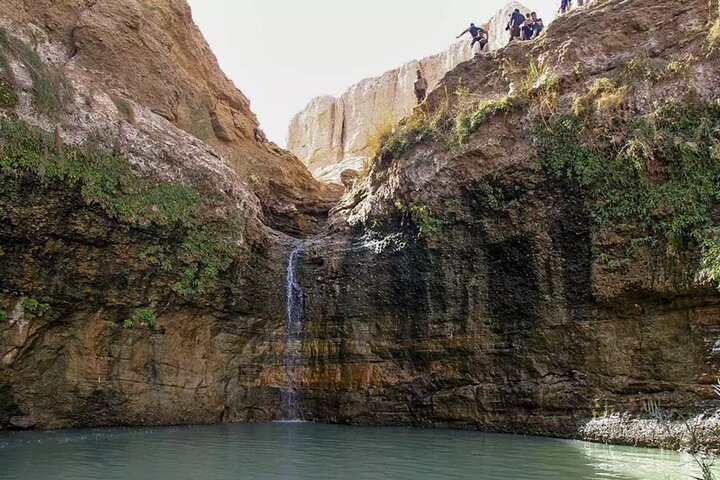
(295, 310)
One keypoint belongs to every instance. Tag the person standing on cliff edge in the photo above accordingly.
(421, 87)
(517, 20)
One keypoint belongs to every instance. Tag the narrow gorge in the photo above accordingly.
(535, 250)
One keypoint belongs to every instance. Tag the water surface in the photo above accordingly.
(303, 451)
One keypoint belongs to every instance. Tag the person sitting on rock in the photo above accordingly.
(538, 25)
(527, 30)
(421, 87)
(517, 20)
(478, 34)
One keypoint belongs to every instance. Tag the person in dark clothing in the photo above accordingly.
(528, 29)
(538, 25)
(421, 87)
(515, 24)
(478, 35)
(565, 6)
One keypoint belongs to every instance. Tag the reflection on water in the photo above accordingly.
(302, 451)
(641, 463)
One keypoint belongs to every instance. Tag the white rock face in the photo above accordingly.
(331, 134)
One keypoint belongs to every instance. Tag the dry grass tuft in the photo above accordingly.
(376, 139)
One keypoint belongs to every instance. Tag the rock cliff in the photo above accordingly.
(150, 53)
(539, 255)
(331, 134)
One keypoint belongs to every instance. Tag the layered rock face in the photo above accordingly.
(470, 284)
(145, 201)
(467, 285)
(151, 53)
(331, 134)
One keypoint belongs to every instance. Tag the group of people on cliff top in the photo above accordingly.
(524, 27)
(521, 27)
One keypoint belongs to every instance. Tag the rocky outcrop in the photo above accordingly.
(152, 54)
(469, 283)
(331, 134)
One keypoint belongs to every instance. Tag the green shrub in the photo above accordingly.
(109, 182)
(3, 315)
(419, 217)
(468, 122)
(158, 256)
(142, 316)
(621, 183)
(8, 95)
(33, 308)
(204, 254)
(416, 130)
(491, 193)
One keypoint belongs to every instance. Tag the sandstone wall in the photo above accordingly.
(149, 53)
(331, 134)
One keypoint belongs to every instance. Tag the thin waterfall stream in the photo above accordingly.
(295, 311)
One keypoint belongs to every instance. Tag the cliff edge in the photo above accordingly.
(331, 134)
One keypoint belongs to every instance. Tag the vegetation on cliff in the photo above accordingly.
(34, 308)
(714, 32)
(453, 126)
(107, 181)
(663, 177)
(658, 172)
(142, 316)
(51, 90)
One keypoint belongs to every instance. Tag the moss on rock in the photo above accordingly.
(51, 90)
(8, 95)
(108, 181)
(663, 177)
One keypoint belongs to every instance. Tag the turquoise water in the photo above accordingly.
(302, 451)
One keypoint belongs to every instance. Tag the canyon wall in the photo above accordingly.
(469, 283)
(331, 134)
(149, 53)
(497, 269)
(134, 178)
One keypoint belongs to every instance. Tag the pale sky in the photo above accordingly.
(282, 53)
